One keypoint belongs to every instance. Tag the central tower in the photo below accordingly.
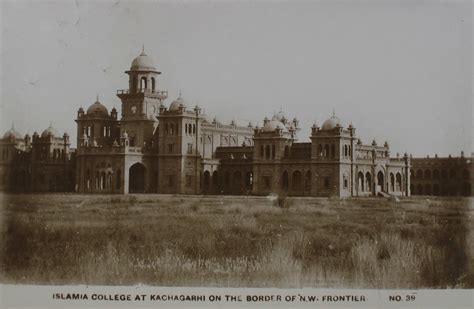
(141, 101)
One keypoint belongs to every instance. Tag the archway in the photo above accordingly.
(207, 181)
(136, 178)
(249, 180)
(360, 178)
(296, 181)
(368, 182)
(380, 180)
(215, 182)
(284, 181)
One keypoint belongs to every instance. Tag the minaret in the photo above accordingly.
(141, 101)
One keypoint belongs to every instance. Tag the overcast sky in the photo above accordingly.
(400, 71)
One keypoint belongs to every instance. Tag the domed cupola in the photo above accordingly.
(272, 125)
(97, 109)
(177, 104)
(331, 123)
(143, 63)
(12, 133)
(50, 131)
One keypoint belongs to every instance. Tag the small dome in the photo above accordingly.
(273, 125)
(97, 109)
(280, 116)
(50, 131)
(176, 104)
(142, 63)
(331, 123)
(12, 133)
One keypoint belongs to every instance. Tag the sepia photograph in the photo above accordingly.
(313, 148)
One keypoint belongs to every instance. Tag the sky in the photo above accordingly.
(399, 71)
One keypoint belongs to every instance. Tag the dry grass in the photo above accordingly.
(237, 241)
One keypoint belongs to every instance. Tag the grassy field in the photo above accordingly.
(237, 241)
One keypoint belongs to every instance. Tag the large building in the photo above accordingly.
(448, 176)
(153, 147)
(159, 148)
(44, 163)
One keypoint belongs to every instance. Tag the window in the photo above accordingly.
(273, 151)
(267, 152)
(346, 183)
(170, 148)
(262, 152)
(190, 148)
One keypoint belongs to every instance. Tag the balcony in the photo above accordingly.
(148, 92)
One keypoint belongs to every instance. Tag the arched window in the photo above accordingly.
(326, 150)
(392, 182)
(419, 174)
(368, 182)
(143, 83)
(153, 84)
(267, 152)
(399, 182)
(284, 181)
(346, 151)
(194, 129)
(273, 151)
(296, 180)
(360, 181)
(320, 150)
(249, 180)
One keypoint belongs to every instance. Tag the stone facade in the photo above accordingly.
(176, 149)
(44, 163)
(448, 176)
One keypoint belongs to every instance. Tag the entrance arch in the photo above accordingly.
(380, 180)
(136, 182)
(207, 182)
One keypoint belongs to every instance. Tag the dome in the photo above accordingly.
(50, 131)
(97, 109)
(273, 125)
(331, 123)
(176, 104)
(12, 133)
(280, 116)
(142, 63)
